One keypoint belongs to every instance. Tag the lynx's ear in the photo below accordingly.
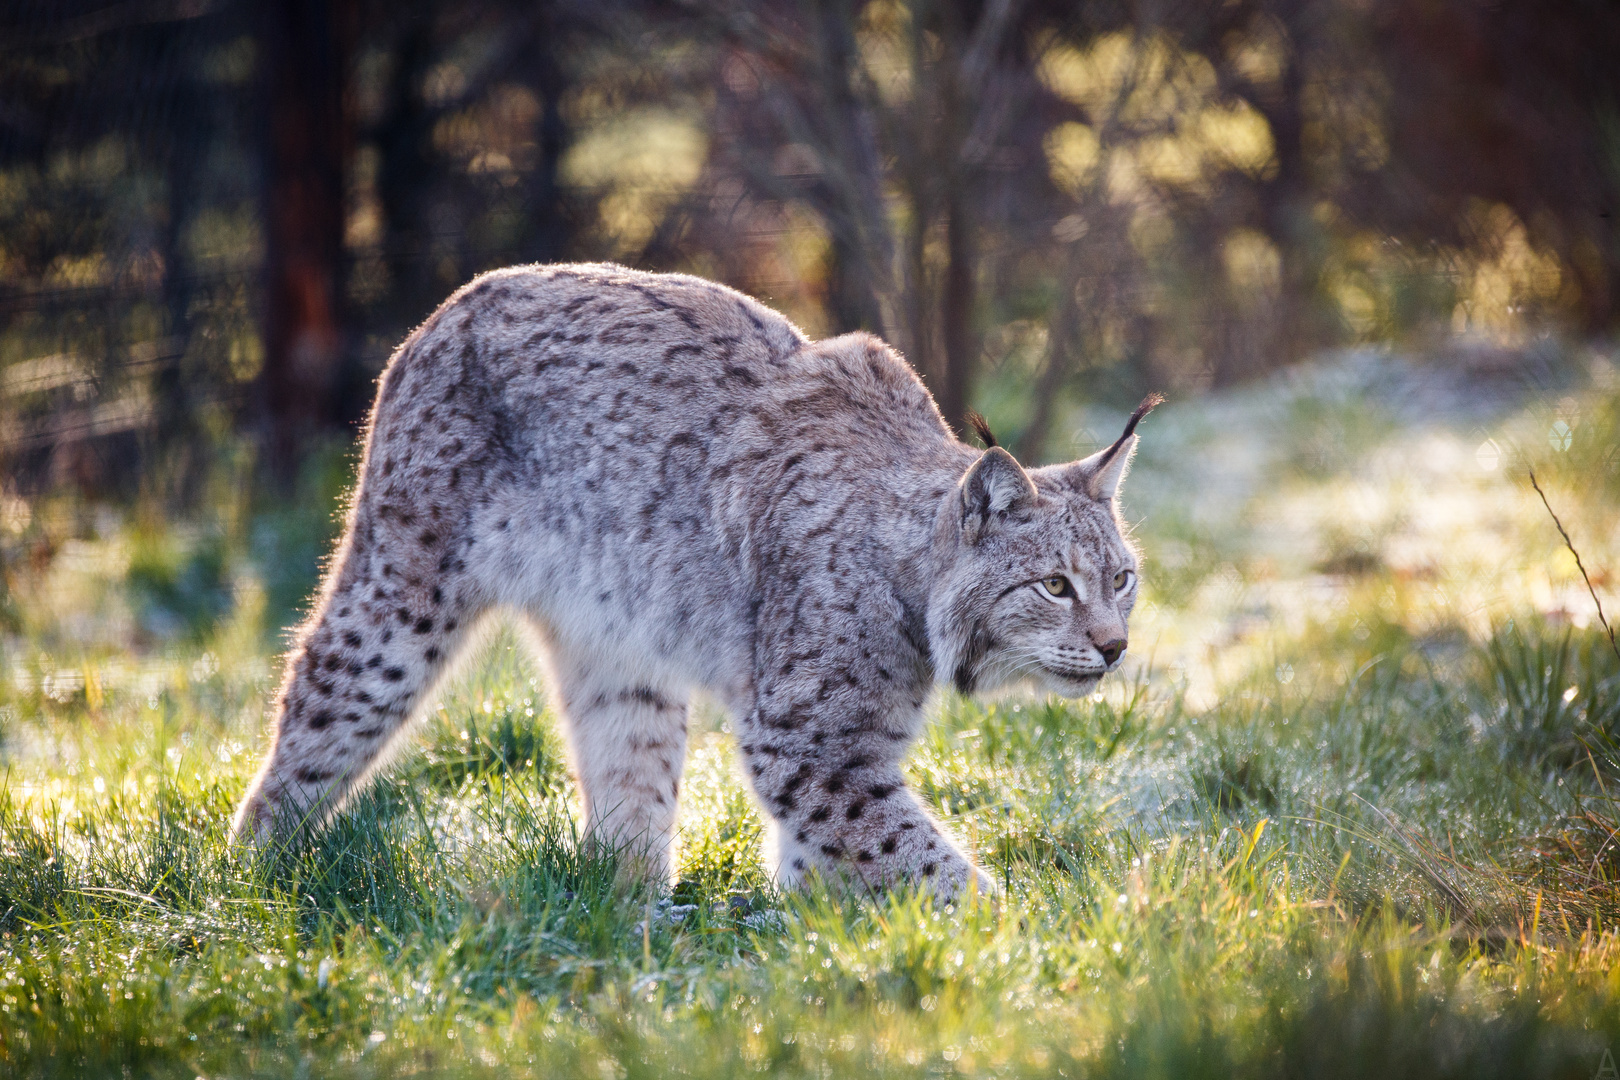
(1099, 475)
(993, 488)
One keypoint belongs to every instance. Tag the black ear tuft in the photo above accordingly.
(1149, 403)
(1104, 459)
(1100, 474)
(981, 428)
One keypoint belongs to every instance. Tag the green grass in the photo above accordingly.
(1360, 815)
(1399, 873)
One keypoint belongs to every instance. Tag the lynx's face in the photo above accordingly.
(1060, 588)
(1040, 581)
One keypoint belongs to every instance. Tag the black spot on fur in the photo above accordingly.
(394, 674)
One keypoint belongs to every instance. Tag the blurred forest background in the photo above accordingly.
(217, 218)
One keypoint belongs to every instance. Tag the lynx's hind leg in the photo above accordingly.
(627, 738)
(396, 609)
(380, 639)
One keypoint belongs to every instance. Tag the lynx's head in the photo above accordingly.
(1034, 578)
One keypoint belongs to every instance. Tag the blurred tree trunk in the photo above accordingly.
(184, 141)
(1285, 204)
(1062, 334)
(923, 148)
(851, 302)
(548, 232)
(856, 211)
(307, 46)
(175, 426)
(405, 170)
(956, 310)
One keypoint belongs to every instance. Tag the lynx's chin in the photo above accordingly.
(1067, 684)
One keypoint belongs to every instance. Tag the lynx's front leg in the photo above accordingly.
(823, 749)
(628, 738)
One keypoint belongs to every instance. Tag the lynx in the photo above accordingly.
(677, 490)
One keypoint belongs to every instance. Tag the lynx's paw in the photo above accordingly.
(961, 883)
(637, 860)
(941, 870)
(254, 828)
(268, 817)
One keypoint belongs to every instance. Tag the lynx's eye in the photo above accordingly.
(1057, 585)
(1122, 580)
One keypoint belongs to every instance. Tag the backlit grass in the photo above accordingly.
(1353, 814)
(1337, 877)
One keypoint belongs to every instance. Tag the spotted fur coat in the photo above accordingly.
(677, 490)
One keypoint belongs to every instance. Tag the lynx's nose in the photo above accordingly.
(1112, 650)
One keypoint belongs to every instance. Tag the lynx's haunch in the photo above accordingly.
(678, 490)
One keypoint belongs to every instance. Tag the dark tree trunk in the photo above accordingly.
(306, 47)
(548, 217)
(1286, 202)
(1062, 334)
(860, 248)
(175, 422)
(406, 172)
(851, 301)
(956, 316)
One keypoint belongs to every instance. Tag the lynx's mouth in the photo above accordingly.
(1071, 682)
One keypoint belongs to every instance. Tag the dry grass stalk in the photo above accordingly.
(1579, 565)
